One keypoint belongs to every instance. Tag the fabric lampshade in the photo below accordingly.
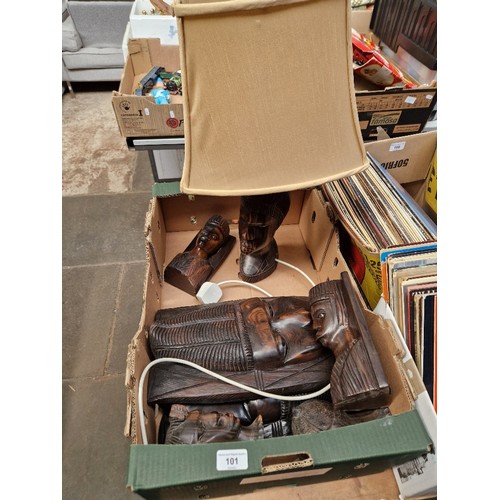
(268, 89)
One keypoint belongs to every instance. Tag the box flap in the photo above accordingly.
(139, 56)
(155, 245)
(406, 158)
(316, 226)
(144, 53)
(391, 355)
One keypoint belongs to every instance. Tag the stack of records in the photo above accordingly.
(412, 289)
(393, 243)
(374, 205)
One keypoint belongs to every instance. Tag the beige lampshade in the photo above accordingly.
(269, 103)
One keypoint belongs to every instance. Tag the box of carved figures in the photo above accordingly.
(233, 387)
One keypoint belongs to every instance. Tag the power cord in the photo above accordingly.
(210, 293)
(297, 269)
(264, 394)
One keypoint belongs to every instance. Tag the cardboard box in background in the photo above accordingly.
(408, 159)
(139, 116)
(398, 111)
(308, 240)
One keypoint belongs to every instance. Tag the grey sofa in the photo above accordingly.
(92, 38)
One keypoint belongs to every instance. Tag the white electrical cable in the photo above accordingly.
(215, 375)
(238, 282)
(245, 283)
(221, 377)
(296, 269)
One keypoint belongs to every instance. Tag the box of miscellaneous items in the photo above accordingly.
(149, 99)
(148, 21)
(387, 97)
(234, 386)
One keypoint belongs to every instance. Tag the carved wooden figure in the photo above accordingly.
(260, 217)
(357, 380)
(203, 256)
(270, 409)
(195, 427)
(265, 343)
(317, 415)
(281, 345)
(275, 416)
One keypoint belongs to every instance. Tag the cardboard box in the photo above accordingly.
(416, 478)
(139, 116)
(308, 240)
(146, 24)
(408, 159)
(397, 111)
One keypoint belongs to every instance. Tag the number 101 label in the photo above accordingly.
(232, 459)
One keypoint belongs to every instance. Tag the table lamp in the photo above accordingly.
(269, 100)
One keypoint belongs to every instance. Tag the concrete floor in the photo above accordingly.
(102, 277)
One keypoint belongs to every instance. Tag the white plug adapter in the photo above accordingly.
(209, 293)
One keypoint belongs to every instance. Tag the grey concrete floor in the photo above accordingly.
(103, 265)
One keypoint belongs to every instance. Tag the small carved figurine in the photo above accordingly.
(270, 409)
(203, 256)
(194, 427)
(317, 415)
(260, 217)
(357, 380)
(276, 416)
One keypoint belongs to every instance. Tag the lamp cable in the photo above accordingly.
(253, 390)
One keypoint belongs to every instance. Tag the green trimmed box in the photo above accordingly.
(338, 454)
(309, 240)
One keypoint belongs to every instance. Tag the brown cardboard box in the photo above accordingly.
(139, 116)
(397, 111)
(407, 159)
(308, 240)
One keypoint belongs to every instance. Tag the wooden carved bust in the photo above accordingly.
(357, 380)
(254, 419)
(260, 217)
(203, 256)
